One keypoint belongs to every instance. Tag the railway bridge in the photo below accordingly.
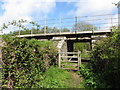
(80, 29)
(70, 37)
(98, 27)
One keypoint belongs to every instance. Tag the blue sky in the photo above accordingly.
(41, 9)
(1, 10)
(62, 9)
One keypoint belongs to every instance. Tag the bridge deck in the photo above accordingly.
(66, 34)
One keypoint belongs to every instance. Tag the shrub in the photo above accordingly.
(106, 64)
(24, 61)
(104, 69)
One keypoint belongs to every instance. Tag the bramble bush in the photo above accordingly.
(24, 61)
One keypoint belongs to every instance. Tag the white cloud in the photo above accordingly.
(25, 9)
(93, 7)
(96, 7)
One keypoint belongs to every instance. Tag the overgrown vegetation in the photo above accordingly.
(24, 61)
(104, 70)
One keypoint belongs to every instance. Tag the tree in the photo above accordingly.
(84, 26)
(65, 30)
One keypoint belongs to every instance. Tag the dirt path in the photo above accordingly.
(75, 81)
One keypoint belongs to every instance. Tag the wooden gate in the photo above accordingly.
(69, 60)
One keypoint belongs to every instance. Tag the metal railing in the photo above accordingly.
(73, 24)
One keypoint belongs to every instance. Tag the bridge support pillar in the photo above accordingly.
(92, 44)
(61, 43)
(70, 46)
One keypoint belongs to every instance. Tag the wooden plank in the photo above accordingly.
(85, 58)
(67, 52)
(69, 61)
(69, 65)
(80, 59)
(69, 56)
(59, 61)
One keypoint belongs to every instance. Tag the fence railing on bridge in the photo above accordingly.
(72, 24)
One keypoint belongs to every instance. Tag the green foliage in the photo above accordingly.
(104, 69)
(24, 61)
(87, 74)
(85, 55)
(91, 80)
(84, 48)
(81, 47)
(106, 58)
(56, 78)
(19, 23)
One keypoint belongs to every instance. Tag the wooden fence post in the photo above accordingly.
(79, 59)
(59, 60)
